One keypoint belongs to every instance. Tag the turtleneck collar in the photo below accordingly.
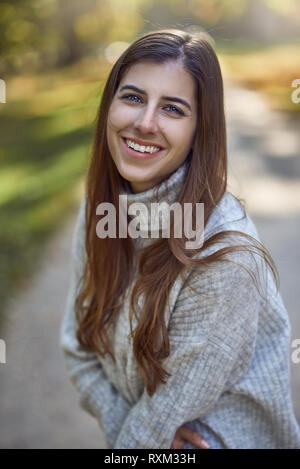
(168, 191)
(171, 186)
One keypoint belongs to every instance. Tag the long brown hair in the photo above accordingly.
(110, 262)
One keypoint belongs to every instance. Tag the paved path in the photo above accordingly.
(39, 407)
(264, 169)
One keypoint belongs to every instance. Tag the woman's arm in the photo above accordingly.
(212, 336)
(97, 395)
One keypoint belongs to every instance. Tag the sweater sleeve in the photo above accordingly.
(97, 395)
(212, 334)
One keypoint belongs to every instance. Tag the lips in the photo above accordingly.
(138, 155)
(143, 142)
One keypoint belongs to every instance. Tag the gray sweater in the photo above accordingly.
(229, 352)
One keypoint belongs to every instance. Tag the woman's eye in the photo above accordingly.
(136, 99)
(131, 97)
(175, 109)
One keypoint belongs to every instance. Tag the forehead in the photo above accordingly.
(169, 78)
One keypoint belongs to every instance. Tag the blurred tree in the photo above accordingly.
(111, 21)
(27, 33)
(212, 11)
(38, 34)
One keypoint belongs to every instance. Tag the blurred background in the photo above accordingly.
(54, 58)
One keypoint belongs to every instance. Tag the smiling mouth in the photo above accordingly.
(142, 149)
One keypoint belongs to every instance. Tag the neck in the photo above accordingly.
(167, 191)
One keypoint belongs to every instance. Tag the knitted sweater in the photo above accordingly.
(229, 352)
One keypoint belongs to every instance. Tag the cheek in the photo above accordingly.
(181, 139)
(119, 117)
(112, 119)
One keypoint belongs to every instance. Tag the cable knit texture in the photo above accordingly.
(229, 351)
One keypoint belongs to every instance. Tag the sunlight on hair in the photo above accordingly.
(196, 29)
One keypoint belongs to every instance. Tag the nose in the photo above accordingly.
(146, 121)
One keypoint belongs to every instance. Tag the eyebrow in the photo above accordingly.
(167, 98)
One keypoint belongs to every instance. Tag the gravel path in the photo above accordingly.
(39, 406)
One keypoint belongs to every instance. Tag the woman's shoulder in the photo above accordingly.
(230, 214)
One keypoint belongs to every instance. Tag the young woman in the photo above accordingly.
(168, 345)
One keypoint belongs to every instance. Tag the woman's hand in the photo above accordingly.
(184, 433)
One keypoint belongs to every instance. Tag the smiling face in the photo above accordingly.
(154, 111)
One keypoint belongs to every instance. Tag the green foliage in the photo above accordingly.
(41, 34)
(270, 70)
(43, 159)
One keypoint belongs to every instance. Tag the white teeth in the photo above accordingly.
(141, 148)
